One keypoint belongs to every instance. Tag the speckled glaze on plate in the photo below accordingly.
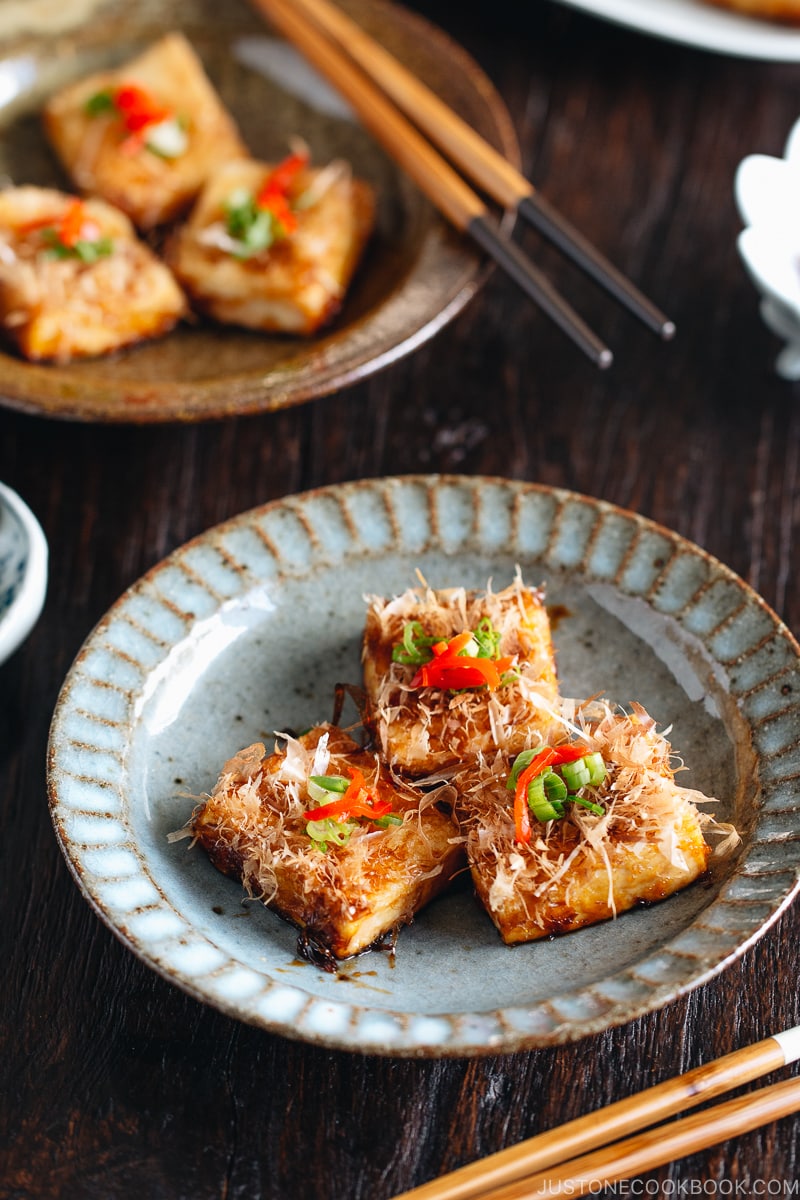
(247, 629)
(416, 275)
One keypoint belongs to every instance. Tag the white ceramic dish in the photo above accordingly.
(23, 571)
(696, 24)
(767, 193)
(248, 628)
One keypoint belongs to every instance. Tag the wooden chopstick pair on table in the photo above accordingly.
(583, 1156)
(374, 82)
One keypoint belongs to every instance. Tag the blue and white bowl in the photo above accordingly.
(23, 571)
(767, 191)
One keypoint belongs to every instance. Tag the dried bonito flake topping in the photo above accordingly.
(451, 674)
(348, 867)
(612, 830)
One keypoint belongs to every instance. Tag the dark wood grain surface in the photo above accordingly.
(114, 1083)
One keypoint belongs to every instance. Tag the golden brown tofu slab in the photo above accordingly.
(422, 729)
(642, 842)
(74, 280)
(146, 136)
(345, 881)
(286, 273)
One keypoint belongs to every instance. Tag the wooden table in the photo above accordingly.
(116, 1084)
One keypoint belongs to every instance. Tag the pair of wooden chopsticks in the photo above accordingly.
(373, 81)
(582, 1157)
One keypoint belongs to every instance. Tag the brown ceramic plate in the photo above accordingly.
(417, 273)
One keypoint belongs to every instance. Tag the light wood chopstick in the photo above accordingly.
(656, 1147)
(520, 1166)
(434, 176)
(479, 159)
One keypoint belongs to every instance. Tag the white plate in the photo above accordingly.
(247, 629)
(23, 571)
(697, 24)
(767, 194)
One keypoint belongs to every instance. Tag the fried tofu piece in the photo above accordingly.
(426, 729)
(103, 129)
(343, 897)
(586, 866)
(60, 301)
(297, 283)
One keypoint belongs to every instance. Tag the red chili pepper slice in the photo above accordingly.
(138, 108)
(460, 671)
(451, 670)
(453, 677)
(350, 804)
(455, 645)
(278, 205)
(273, 194)
(72, 224)
(522, 817)
(549, 757)
(71, 227)
(282, 176)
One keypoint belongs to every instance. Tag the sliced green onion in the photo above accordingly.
(385, 822)
(331, 783)
(168, 139)
(415, 648)
(328, 830)
(487, 638)
(253, 227)
(539, 805)
(321, 786)
(470, 650)
(100, 102)
(261, 233)
(555, 788)
(576, 774)
(87, 252)
(240, 197)
(596, 768)
(523, 759)
(597, 809)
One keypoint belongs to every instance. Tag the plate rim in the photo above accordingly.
(509, 1029)
(721, 31)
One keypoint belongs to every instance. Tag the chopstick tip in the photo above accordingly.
(604, 359)
(668, 330)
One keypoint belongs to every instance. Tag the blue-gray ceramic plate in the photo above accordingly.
(247, 629)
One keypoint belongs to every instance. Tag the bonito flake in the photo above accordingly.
(345, 882)
(426, 729)
(639, 838)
